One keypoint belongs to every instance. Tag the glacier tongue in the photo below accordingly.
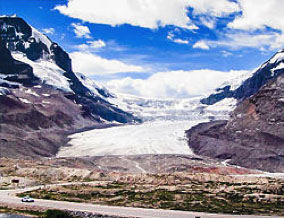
(163, 130)
(154, 137)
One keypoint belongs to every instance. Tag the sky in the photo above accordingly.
(159, 48)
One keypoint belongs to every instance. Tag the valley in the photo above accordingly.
(65, 138)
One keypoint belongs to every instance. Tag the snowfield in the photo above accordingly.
(155, 137)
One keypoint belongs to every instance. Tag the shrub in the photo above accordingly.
(57, 214)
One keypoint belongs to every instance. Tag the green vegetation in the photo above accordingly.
(26, 212)
(35, 213)
(57, 214)
(215, 197)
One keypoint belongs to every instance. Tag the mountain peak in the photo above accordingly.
(53, 67)
(271, 69)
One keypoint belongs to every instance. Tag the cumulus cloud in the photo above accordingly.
(201, 45)
(210, 22)
(172, 38)
(48, 31)
(143, 13)
(258, 14)
(92, 45)
(81, 31)
(92, 64)
(174, 84)
(238, 40)
(219, 8)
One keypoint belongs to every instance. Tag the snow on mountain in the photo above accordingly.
(45, 62)
(249, 84)
(39, 37)
(95, 87)
(47, 71)
(238, 79)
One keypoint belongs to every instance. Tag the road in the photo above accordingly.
(9, 197)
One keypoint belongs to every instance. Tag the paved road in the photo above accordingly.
(9, 197)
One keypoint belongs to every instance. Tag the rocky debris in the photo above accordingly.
(50, 170)
(253, 137)
(35, 124)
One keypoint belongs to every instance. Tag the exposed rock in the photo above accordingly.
(254, 135)
(35, 113)
(14, 70)
(269, 70)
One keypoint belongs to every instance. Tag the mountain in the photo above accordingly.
(153, 109)
(253, 137)
(251, 85)
(41, 98)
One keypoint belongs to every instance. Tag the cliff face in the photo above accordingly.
(253, 137)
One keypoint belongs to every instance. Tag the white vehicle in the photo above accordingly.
(28, 199)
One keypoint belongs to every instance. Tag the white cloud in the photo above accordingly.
(173, 84)
(91, 64)
(210, 22)
(237, 40)
(92, 45)
(257, 14)
(81, 31)
(143, 13)
(181, 41)
(201, 45)
(48, 31)
(172, 38)
(226, 53)
(217, 8)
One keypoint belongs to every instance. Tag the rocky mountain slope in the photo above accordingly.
(253, 137)
(41, 98)
(251, 85)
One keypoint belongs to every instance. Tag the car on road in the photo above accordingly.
(27, 199)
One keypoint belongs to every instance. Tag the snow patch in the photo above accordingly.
(31, 92)
(47, 71)
(26, 101)
(3, 91)
(39, 37)
(238, 80)
(279, 67)
(91, 85)
(277, 58)
(226, 106)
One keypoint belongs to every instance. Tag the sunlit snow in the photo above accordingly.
(155, 137)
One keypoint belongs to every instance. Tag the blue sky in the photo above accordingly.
(125, 42)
